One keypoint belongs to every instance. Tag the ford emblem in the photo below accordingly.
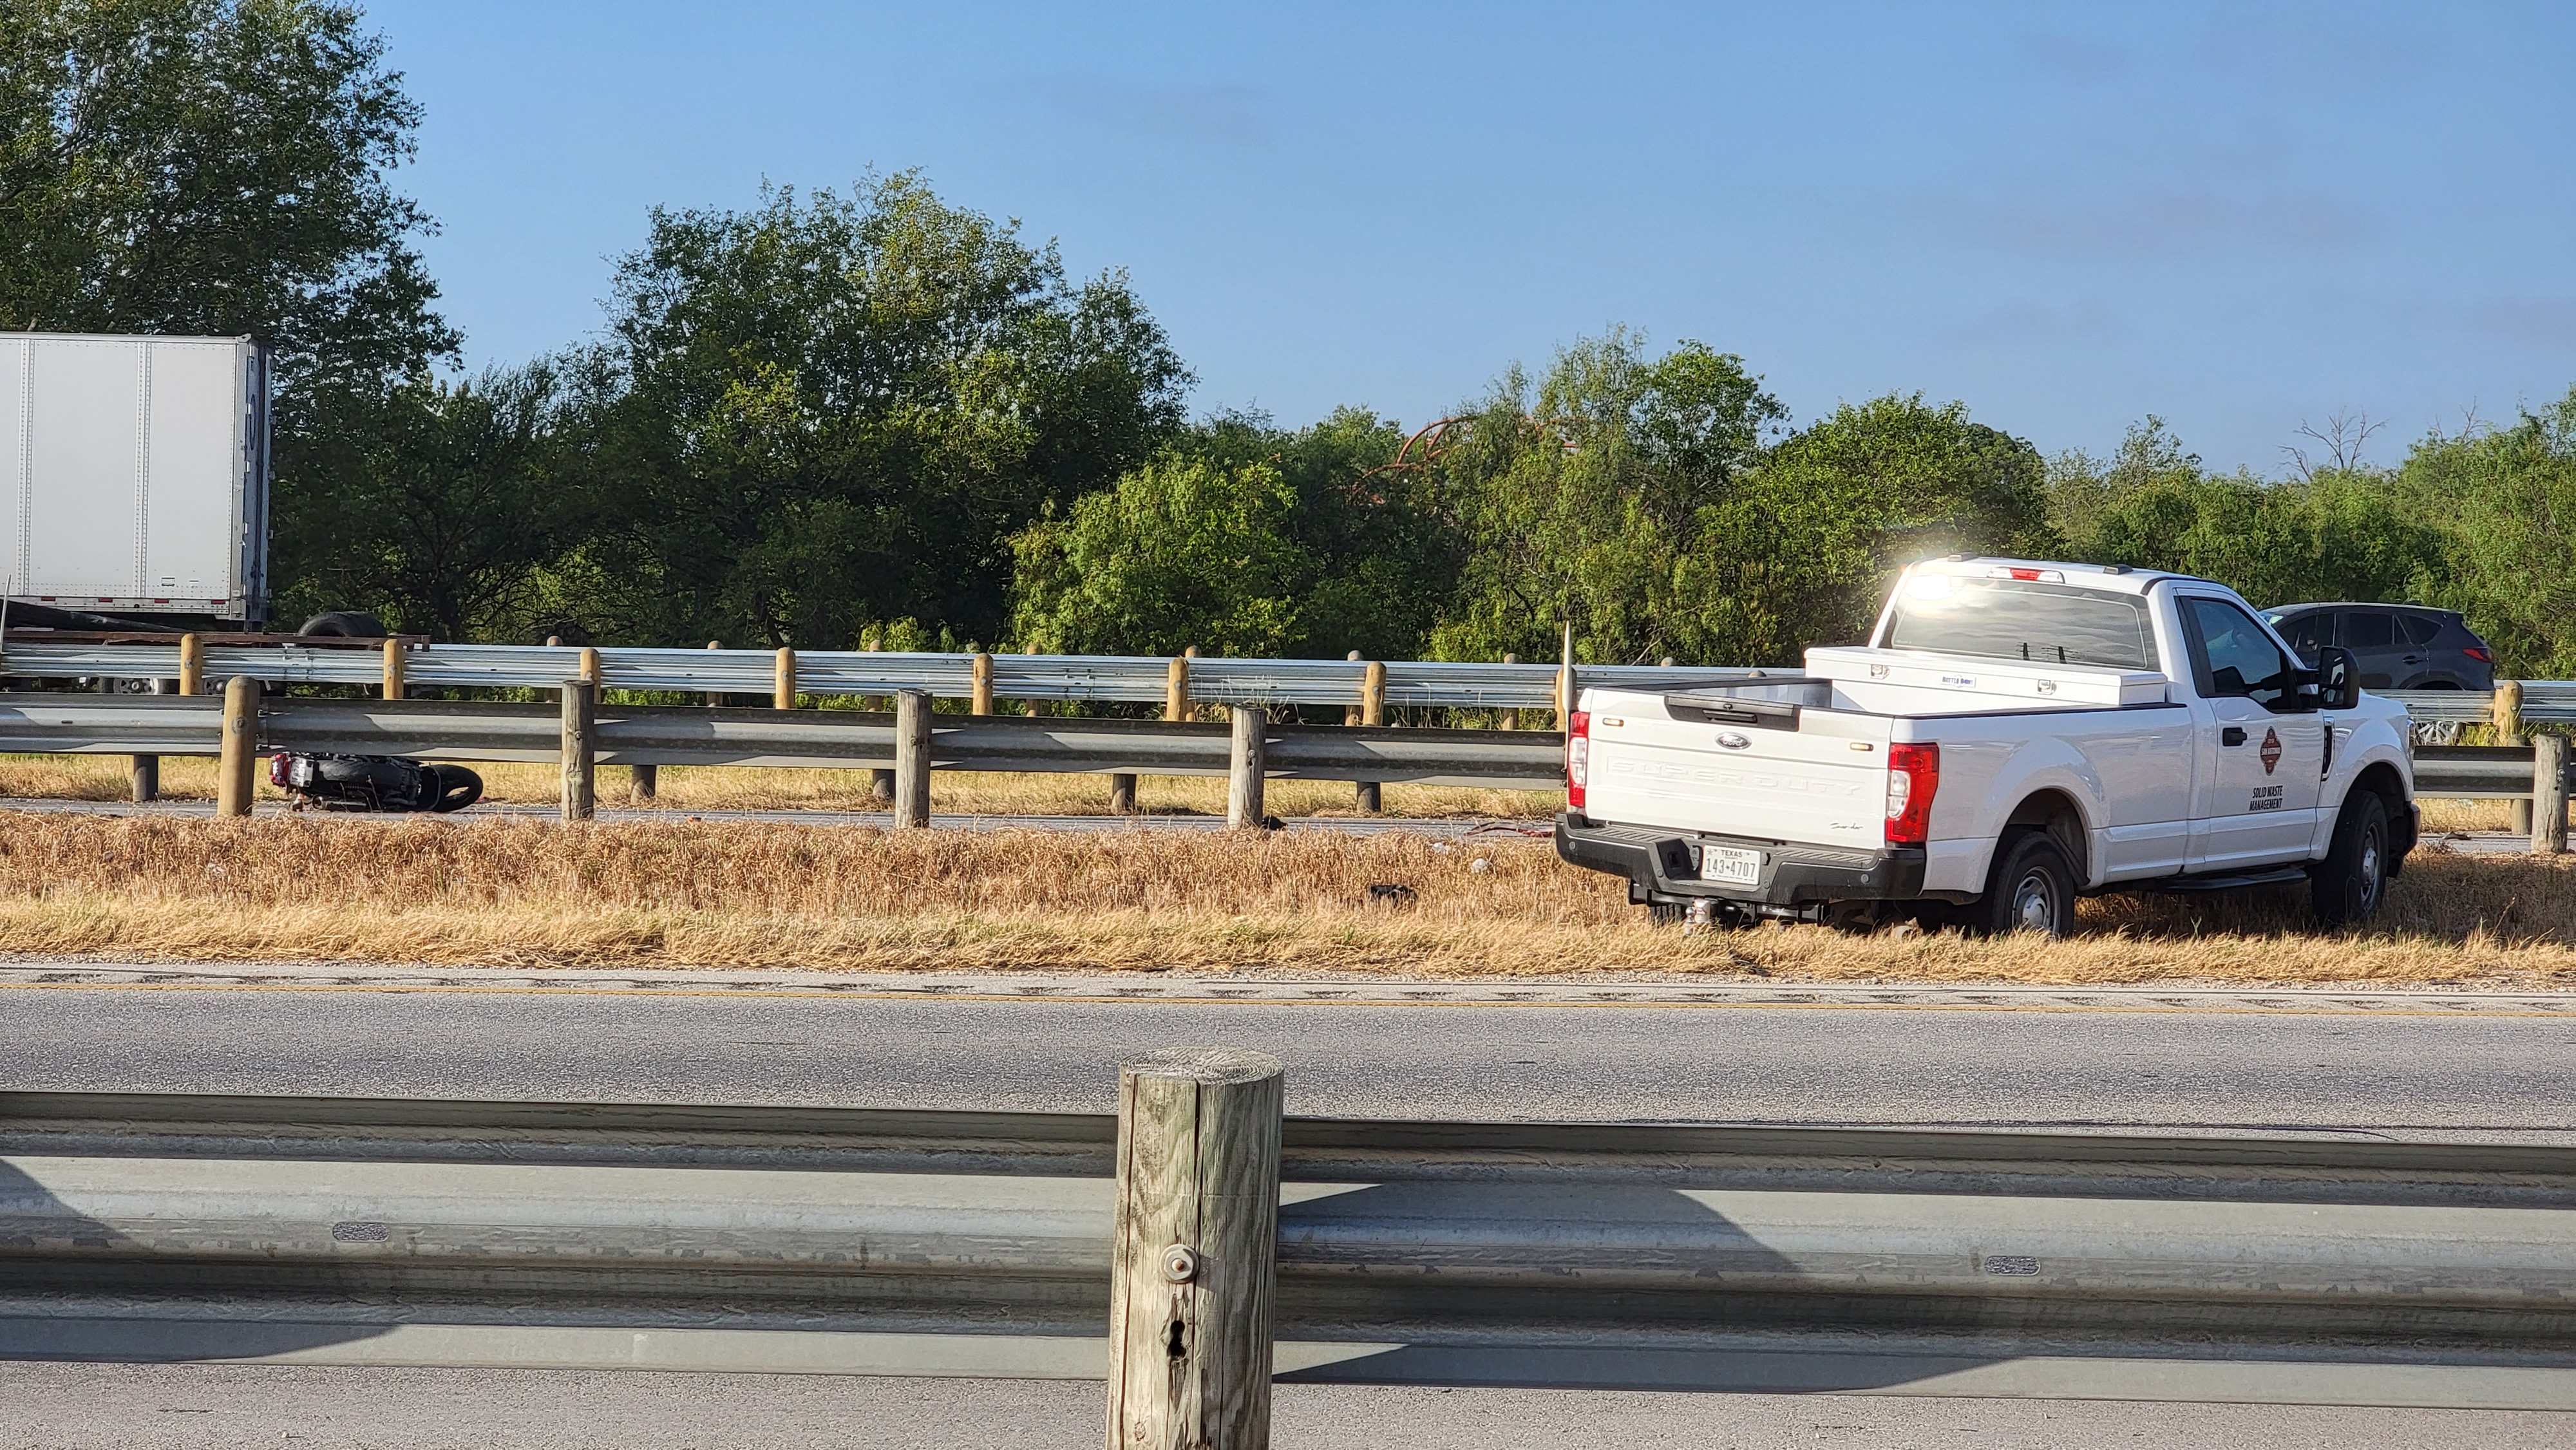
(1732, 741)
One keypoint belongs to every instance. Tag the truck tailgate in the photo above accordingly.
(1659, 761)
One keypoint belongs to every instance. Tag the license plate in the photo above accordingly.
(1727, 864)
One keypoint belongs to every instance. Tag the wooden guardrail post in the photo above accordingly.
(1512, 716)
(1194, 1265)
(1367, 794)
(1565, 686)
(715, 698)
(782, 692)
(880, 782)
(143, 772)
(240, 751)
(2549, 794)
(1176, 706)
(192, 665)
(580, 783)
(2507, 715)
(395, 685)
(981, 699)
(912, 760)
(646, 779)
(1243, 780)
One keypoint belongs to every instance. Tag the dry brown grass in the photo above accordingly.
(737, 788)
(504, 892)
(2451, 815)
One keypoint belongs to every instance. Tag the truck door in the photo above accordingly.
(2260, 746)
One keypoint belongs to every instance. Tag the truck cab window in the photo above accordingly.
(2232, 655)
(2013, 620)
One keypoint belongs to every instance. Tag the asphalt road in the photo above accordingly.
(2424, 1068)
(164, 1407)
(2217, 1062)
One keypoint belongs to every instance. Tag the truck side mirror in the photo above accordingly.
(2338, 678)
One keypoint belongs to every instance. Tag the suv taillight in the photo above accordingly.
(1913, 774)
(2479, 653)
(1578, 757)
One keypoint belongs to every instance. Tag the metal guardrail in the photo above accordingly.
(81, 724)
(2550, 701)
(1129, 679)
(684, 735)
(1097, 678)
(2475, 772)
(1407, 1252)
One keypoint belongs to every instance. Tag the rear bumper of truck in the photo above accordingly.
(1663, 865)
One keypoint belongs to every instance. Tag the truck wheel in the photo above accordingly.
(345, 624)
(2347, 887)
(2032, 888)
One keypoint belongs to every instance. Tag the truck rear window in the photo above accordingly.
(2014, 620)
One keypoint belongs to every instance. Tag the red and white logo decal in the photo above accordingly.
(2271, 750)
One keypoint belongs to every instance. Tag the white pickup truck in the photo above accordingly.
(2014, 734)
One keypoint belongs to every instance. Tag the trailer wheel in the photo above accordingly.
(2347, 887)
(346, 624)
(2032, 888)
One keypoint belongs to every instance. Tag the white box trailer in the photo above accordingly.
(134, 474)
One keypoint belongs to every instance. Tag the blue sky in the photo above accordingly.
(2237, 217)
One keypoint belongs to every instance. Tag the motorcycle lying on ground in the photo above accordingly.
(373, 783)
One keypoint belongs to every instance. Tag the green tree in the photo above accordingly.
(214, 167)
(2337, 534)
(1184, 551)
(446, 511)
(1646, 501)
(2509, 557)
(2083, 489)
(1852, 498)
(1247, 536)
(818, 414)
(1380, 554)
(1588, 503)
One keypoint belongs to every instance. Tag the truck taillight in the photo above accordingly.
(1578, 757)
(1913, 774)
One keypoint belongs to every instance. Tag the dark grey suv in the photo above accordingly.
(2398, 646)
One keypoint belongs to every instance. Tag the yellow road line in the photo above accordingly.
(873, 995)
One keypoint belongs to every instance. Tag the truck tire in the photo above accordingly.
(2347, 887)
(2032, 888)
(345, 624)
